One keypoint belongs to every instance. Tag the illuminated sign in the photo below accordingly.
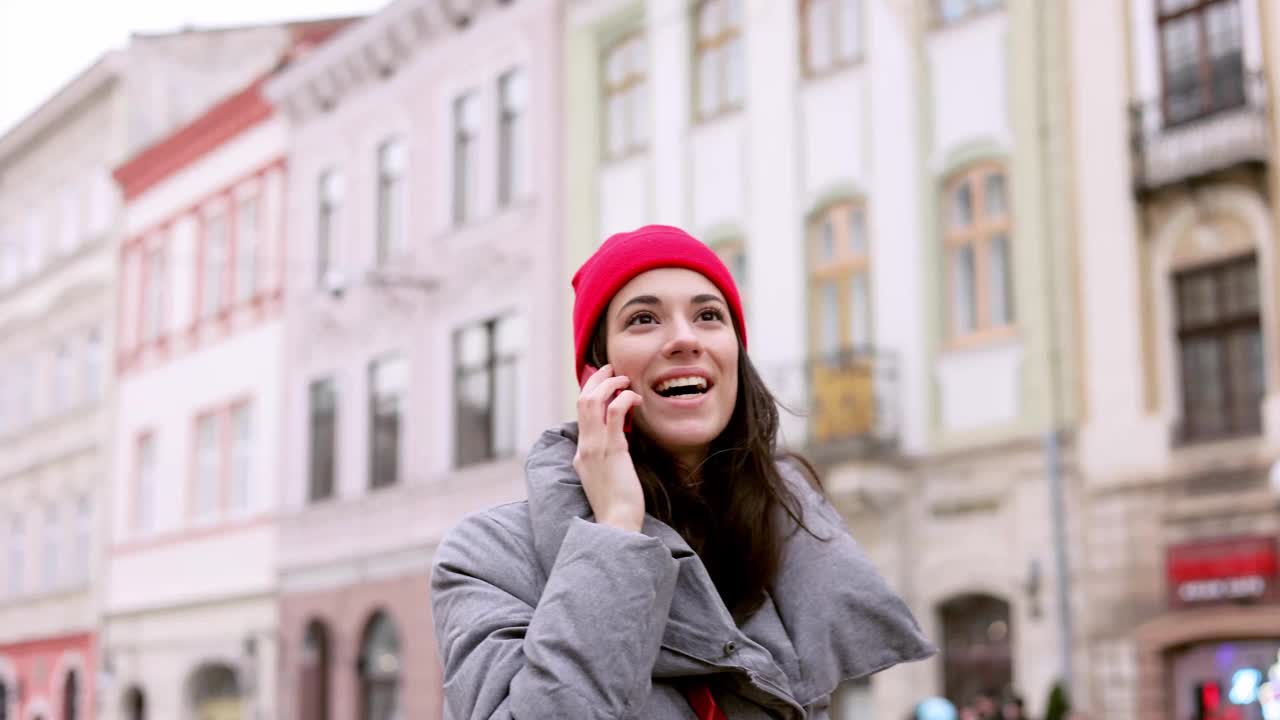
(1224, 570)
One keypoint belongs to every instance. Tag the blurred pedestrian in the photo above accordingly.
(645, 575)
(1013, 709)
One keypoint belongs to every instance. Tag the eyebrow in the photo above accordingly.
(653, 300)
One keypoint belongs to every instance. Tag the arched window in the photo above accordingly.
(979, 262)
(135, 704)
(314, 683)
(380, 662)
(977, 650)
(4, 700)
(214, 690)
(71, 696)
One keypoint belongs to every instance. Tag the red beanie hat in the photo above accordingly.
(624, 256)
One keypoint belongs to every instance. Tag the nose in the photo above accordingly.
(684, 339)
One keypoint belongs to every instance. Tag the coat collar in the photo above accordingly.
(839, 613)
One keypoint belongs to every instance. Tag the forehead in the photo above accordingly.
(668, 285)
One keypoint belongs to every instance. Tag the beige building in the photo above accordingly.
(1176, 175)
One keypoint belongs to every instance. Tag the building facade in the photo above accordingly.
(880, 176)
(422, 287)
(188, 596)
(1176, 180)
(60, 223)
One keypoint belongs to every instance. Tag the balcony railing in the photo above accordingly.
(845, 404)
(1198, 129)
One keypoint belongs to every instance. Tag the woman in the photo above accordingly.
(666, 563)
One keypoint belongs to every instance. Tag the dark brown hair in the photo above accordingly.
(729, 516)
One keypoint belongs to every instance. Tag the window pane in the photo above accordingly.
(52, 534)
(84, 538)
(963, 298)
(473, 346)
(733, 12)
(145, 512)
(617, 124)
(708, 83)
(709, 20)
(512, 143)
(952, 10)
(818, 34)
(206, 499)
(323, 396)
(639, 115)
(850, 29)
(1001, 290)
(241, 458)
(962, 206)
(505, 404)
(1182, 82)
(860, 311)
(215, 264)
(829, 319)
(387, 382)
(735, 72)
(857, 231)
(1204, 414)
(997, 202)
(248, 250)
(615, 66)
(1197, 299)
(826, 240)
(1246, 373)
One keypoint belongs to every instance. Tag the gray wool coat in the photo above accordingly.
(541, 613)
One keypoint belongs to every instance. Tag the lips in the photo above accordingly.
(682, 383)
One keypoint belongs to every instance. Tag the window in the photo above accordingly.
(70, 220)
(17, 553)
(950, 12)
(314, 685)
(102, 201)
(332, 187)
(466, 126)
(979, 263)
(718, 53)
(92, 381)
(83, 540)
(23, 402)
(513, 136)
(10, 258)
(324, 427)
(1221, 350)
(840, 269)
(832, 34)
(387, 380)
(61, 387)
(241, 458)
(734, 255)
(154, 300)
(206, 491)
(36, 242)
(486, 367)
(392, 160)
(71, 696)
(52, 546)
(249, 248)
(145, 502)
(214, 278)
(1201, 57)
(380, 662)
(625, 97)
(977, 652)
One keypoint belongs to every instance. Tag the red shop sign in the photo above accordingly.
(1239, 569)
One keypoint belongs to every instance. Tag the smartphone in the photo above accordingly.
(587, 372)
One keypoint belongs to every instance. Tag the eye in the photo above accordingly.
(644, 317)
(711, 315)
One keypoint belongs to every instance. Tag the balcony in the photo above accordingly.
(1200, 128)
(846, 405)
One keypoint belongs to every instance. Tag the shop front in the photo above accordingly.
(1215, 653)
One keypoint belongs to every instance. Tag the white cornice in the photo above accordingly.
(374, 48)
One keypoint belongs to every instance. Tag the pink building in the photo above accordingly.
(427, 329)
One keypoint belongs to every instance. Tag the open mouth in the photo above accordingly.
(683, 387)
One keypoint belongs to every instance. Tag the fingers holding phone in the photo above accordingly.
(603, 461)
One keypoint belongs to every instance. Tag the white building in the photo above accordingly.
(423, 307)
(877, 174)
(188, 600)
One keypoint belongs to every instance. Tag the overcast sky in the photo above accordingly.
(46, 43)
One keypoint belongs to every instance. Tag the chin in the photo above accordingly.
(684, 435)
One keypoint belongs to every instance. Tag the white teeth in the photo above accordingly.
(666, 385)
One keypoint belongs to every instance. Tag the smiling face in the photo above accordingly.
(670, 331)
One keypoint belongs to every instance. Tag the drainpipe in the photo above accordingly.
(1051, 441)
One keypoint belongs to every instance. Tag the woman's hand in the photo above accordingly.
(602, 461)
